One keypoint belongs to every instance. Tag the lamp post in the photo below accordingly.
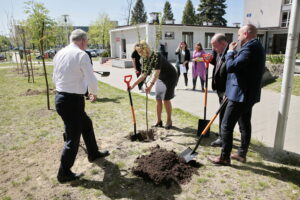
(66, 28)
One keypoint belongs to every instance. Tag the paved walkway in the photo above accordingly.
(264, 117)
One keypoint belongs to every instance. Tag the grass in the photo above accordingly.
(31, 141)
(276, 86)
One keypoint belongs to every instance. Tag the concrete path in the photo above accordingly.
(264, 117)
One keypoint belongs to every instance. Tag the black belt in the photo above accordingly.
(70, 94)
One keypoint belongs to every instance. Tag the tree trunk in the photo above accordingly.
(44, 65)
(25, 55)
(17, 62)
(31, 67)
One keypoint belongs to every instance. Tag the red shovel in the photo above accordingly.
(135, 136)
(202, 123)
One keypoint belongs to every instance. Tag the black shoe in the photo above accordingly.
(168, 126)
(160, 124)
(99, 154)
(217, 143)
(68, 178)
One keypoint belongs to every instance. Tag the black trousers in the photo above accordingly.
(70, 107)
(184, 74)
(195, 81)
(140, 85)
(241, 113)
(221, 115)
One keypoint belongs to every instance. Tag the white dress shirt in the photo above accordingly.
(73, 71)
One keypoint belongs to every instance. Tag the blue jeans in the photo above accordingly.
(70, 107)
(241, 113)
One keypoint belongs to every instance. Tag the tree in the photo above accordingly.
(212, 12)
(40, 26)
(4, 43)
(128, 11)
(189, 16)
(99, 31)
(168, 14)
(138, 14)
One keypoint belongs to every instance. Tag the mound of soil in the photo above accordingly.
(142, 136)
(164, 167)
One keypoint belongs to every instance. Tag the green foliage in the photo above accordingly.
(189, 16)
(99, 31)
(37, 18)
(138, 14)
(211, 11)
(104, 54)
(275, 59)
(4, 43)
(298, 56)
(168, 14)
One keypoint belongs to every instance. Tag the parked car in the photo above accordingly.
(92, 52)
(47, 54)
(2, 57)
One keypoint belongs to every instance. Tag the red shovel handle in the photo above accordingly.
(127, 80)
(207, 58)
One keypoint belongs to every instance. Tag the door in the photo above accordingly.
(123, 48)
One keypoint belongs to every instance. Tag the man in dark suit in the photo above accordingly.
(219, 76)
(243, 88)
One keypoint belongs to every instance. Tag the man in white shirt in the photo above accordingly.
(73, 74)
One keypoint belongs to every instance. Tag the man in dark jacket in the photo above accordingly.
(219, 76)
(243, 89)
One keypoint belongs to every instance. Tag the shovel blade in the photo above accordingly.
(188, 155)
(202, 123)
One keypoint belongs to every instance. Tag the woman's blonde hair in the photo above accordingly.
(143, 47)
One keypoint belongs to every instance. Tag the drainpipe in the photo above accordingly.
(288, 73)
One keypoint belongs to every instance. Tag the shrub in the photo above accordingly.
(276, 59)
(104, 54)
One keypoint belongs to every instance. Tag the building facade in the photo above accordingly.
(272, 17)
(122, 39)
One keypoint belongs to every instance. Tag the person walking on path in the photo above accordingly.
(164, 76)
(219, 75)
(243, 89)
(73, 74)
(182, 62)
(137, 66)
(198, 68)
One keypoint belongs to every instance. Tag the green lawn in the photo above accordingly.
(276, 86)
(31, 143)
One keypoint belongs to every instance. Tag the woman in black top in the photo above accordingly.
(165, 77)
(137, 65)
(183, 57)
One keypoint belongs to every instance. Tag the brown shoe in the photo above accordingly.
(220, 161)
(237, 157)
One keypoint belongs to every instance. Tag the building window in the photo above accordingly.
(208, 37)
(260, 38)
(285, 2)
(229, 37)
(169, 35)
(188, 38)
(285, 19)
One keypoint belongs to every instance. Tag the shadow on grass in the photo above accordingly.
(116, 186)
(281, 173)
(105, 100)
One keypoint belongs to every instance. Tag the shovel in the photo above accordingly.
(135, 136)
(189, 153)
(102, 73)
(202, 123)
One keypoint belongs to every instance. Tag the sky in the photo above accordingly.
(85, 12)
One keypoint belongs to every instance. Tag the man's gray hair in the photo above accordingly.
(78, 35)
(219, 37)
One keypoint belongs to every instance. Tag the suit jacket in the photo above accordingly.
(187, 57)
(219, 75)
(245, 70)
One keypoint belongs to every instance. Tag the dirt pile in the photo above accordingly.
(164, 167)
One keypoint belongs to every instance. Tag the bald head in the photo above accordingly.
(219, 42)
(246, 33)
